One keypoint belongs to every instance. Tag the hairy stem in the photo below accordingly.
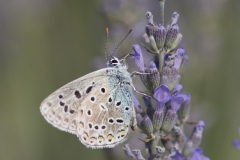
(162, 3)
(161, 61)
(154, 143)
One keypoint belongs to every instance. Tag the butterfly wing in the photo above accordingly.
(95, 107)
(106, 117)
(61, 107)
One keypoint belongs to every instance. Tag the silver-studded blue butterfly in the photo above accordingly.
(97, 107)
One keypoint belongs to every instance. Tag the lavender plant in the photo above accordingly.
(163, 122)
(164, 117)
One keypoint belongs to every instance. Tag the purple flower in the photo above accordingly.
(162, 95)
(180, 52)
(177, 156)
(236, 143)
(138, 58)
(196, 154)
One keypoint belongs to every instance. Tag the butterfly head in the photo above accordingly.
(113, 62)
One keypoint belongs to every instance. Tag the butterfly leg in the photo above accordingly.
(140, 92)
(139, 73)
(133, 123)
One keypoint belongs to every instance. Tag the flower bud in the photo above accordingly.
(150, 29)
(167, 143)
(137, 153)
(187, 149)
(149, 17)
(173, 21)
(169, 121)
(169, 60)
(147, 126)
(137, 106)
(160, 36)
(139, 121)
(146, 39)
(170, 77)
(153, 44)
(171, 36)
(156, 60)
(157, 120)
(180, 137)
(150, 110)
(128, 151)
(138, 59)
(180, 52)
(196, 136)
(154, 76)
(171, 117)
(184, 63)
(175, 42)
(185, 108)
(160, 150)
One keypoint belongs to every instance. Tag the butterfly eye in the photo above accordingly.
(114, 61)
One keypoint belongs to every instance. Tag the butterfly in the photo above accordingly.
(97, 107)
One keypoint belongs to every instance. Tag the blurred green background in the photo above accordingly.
(45, 44)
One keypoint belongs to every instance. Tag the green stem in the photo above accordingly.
(154, 143)
(162, 3)
(161, 61)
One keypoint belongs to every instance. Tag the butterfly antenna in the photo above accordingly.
(106, 43)
(125, 56)
(121, 42)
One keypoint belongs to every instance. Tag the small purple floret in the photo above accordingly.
(177, 156)
(162, 93)
(137, 52)
(177, 89)
(200, 124)
(197, 154)
(152, 65)
(236, 143)
(176, 102)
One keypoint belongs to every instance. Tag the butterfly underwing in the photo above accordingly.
(97, 107)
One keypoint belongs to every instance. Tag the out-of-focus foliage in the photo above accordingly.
(45, 44)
